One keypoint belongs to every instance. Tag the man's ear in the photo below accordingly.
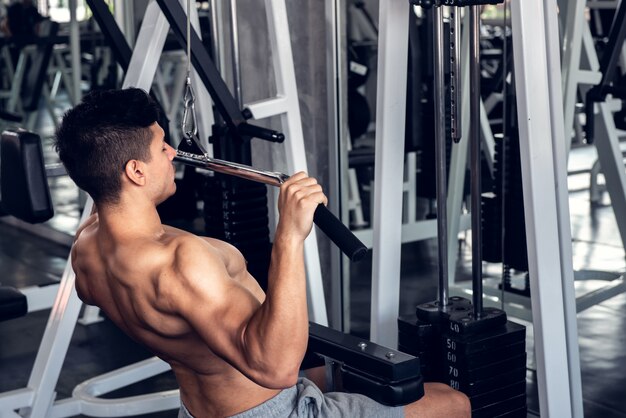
(135, 171)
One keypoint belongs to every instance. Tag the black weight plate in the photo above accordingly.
(244, 203)
(244, 194)
(235, 215)
(243, 225)
(410, 325)
(433, 312)
(421, 333)
(500, 408)
(247, 234)
(240, 214)
(506, 392)
(485, 358)
(510, 333)
(231, 184)
(472, 388)
(261, 245)
(461, 320)
(236, 228)
(419, 344)
(485, 372)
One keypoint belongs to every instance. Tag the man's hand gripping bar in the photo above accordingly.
(323, 218)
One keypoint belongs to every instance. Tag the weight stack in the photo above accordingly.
(420, 335)
(515, 254)
(491, 228)
(507, 169)
(484, 358)
(426, 162)
(421, 339)
(235, 211)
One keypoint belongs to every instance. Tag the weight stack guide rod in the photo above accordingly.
(440, 156)
(475, 148)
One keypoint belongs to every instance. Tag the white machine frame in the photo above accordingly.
(577, 44)
(538, 81)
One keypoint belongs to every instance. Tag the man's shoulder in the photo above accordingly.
(181, 244)
(85, 238)
(196, 267)
(90, 221)
(192, 252)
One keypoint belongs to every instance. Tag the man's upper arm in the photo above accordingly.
(213, 303)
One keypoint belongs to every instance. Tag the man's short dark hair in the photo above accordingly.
(100, 135)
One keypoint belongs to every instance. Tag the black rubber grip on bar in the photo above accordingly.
(245, 129)
(338, 233)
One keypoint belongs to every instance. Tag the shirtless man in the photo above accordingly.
(233, 349)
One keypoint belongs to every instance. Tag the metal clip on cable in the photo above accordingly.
(189, 124)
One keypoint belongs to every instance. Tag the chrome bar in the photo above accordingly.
(234, 169)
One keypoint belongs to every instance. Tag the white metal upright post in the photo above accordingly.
(545, 201)
(75, 47)
(150, 41)
(40, 391)
(286, 105)
(560, 151)
(573, 22)
(389, 166)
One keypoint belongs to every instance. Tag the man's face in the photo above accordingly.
(160, 165)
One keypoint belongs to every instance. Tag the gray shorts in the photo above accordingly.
(305, 400)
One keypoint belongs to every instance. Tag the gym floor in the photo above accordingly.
(28, 260)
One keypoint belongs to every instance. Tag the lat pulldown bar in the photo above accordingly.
(323, 218)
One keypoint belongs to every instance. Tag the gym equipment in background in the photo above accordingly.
(471, 348)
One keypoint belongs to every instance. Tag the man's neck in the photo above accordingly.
(137, 218)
